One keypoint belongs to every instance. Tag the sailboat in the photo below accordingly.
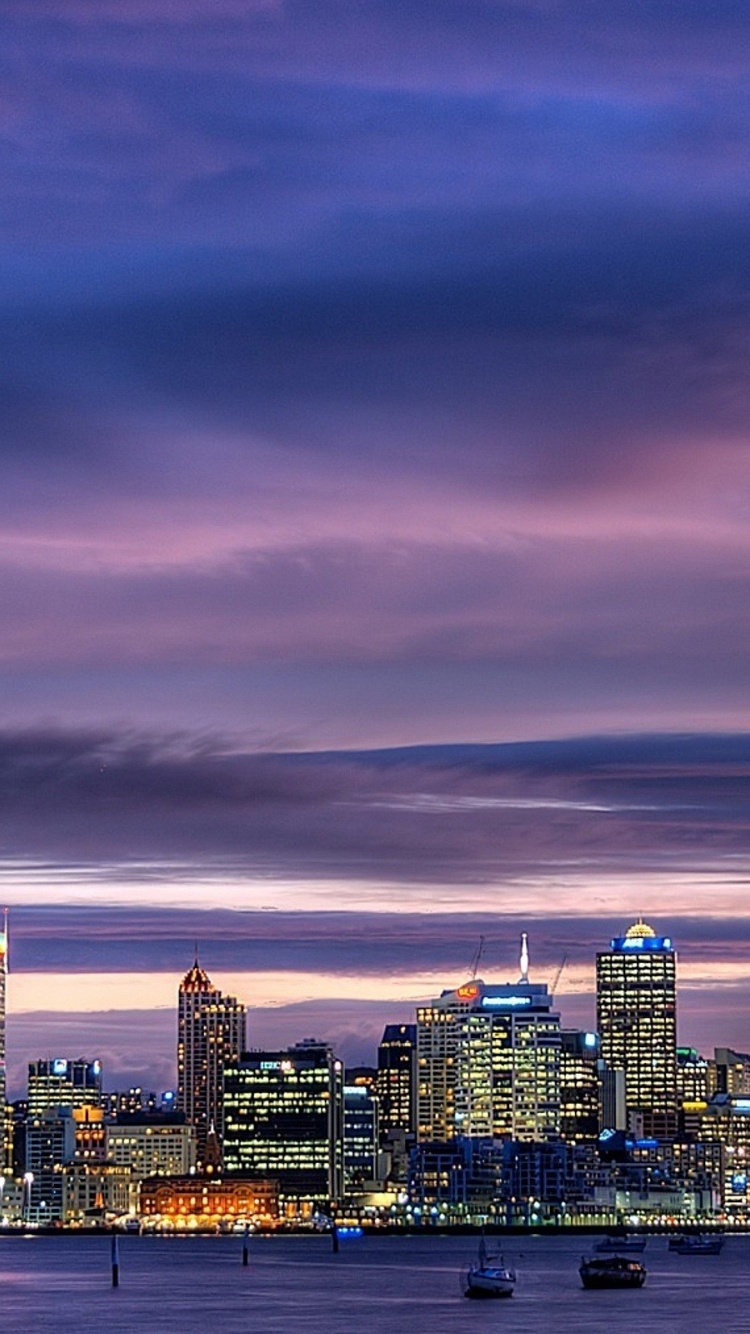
(489, 1277)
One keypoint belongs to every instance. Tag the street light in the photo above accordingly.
(28, 1181)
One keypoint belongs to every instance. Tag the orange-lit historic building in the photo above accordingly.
(205, 1202)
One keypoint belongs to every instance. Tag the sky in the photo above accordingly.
(374, 493)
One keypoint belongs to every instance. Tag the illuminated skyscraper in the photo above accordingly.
(284, 1120)
(579, 1085)
(636, 1015)
(507, 1074)
(397, 1078)
(210, 1036)
(437, 1048)
(3, 978)
(489, 1063)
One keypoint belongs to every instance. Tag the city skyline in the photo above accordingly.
(373, 505)
(274, 1025)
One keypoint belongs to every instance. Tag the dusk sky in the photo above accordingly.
(374, 499)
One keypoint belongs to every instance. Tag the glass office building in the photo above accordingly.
(489, 1063)
(284, 1120)
(636, 1019)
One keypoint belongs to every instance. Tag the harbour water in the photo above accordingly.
(382, 1285)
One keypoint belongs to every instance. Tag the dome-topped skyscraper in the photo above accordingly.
(636, 1016)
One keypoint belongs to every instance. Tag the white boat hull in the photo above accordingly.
(490, 1283)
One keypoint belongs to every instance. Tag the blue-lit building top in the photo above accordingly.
(503, 998)
(641, 944)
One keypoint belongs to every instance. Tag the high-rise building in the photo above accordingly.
(732, 1072)
(58, 1082)
(397, 1079)
(3, 982)
(210, 1036)
(437, 1049)
(636, 1018)
(579, 1086)
(507, 1072)
(489, 1063)
(284, 1120)
(361, 1136)
(50, 1144)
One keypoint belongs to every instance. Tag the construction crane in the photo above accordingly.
(477, 958)
(558, 975)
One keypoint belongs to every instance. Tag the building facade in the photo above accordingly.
(58, 1082)
(50, 1145)
(284, 1121)
(579, 1086)
(489, 1063)
(148, 1146)
(361, 1136)
(208, 1202)
(636, 1019)
(397, 1079)
(210, 1036)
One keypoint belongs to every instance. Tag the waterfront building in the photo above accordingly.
(361, 1136)
(453, 1178)
(579, 1085)
(534, 1184)
(210, 1036)
(397, 1079)
(725, 1120)
(50, 1144)
(636, 1020)
(58, 1082)
(489, 1063)
(90, 1191)
(208, 1203)
(284, 1120)
(151, 1145)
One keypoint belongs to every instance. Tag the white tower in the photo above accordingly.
(524, 957)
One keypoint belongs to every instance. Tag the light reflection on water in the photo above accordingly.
(381, 1284)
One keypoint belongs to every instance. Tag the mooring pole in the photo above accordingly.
(245, 1250)
(335, 1238)
(115, 1261)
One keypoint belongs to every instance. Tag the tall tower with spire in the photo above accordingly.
(210, 1035)
(3, 979)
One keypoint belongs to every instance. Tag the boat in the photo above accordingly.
(624, 1244)
(612, 1271)
(489, 1277)
(700, 1243)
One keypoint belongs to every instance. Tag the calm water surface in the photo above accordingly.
(381, 1285)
